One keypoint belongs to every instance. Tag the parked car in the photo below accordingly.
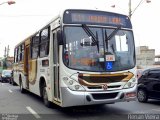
(6, 75)
(149, 85)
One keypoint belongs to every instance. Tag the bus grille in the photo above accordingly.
(99, 87)
(103, 78)
(100, 96)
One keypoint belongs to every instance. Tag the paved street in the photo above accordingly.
(19, 106)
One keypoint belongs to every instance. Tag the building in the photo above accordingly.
(145, 57)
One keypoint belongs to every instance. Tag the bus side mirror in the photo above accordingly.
(59, 37)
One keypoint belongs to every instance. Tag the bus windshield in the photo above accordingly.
(81, 53)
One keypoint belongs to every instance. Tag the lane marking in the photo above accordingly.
(156, 109)
(33, 112)
(10, 91)
(146, 111)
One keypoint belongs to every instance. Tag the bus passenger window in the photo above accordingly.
(44, 43)
(34, 52)
(35, 46)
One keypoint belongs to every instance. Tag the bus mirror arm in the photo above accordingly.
(59, 37)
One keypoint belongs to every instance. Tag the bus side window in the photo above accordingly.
(44, 42)
(35, 46)
(15, 55)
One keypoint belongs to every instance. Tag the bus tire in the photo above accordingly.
(45, 97)
(12, 81)
(21, 87)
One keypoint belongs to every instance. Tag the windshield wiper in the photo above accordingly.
(107, 38)
(114, 32)
(90, 33)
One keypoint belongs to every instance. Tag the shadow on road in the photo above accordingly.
(94, 112)
(154, 102)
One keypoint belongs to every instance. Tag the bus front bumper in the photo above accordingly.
(78, 98)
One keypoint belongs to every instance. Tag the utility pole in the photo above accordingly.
(130, 9)
(4, 60)
(8, 51)
(5, 52)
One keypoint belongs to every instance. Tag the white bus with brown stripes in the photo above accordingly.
(81, 57)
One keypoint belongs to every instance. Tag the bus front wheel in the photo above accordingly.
(45, 97)
(21, 87)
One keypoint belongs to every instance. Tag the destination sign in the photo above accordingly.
(96, 18)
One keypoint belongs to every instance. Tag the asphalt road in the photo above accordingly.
(17, 106)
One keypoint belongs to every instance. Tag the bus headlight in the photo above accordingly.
(77, 87)
(72, 84)
(131, 83)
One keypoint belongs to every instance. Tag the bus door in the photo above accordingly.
(26, 65)
(56, 67)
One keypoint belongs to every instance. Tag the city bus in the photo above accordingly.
(81, 57)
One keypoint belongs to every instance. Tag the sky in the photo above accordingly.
(20, 20)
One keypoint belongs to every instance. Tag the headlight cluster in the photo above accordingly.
(72, 84)
(131, 83)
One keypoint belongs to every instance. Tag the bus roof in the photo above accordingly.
(85, 13)
(96, 17)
